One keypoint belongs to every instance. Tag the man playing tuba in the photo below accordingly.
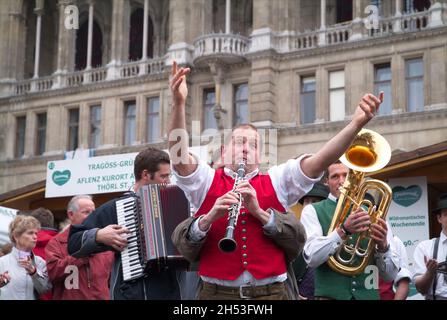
(320, 246)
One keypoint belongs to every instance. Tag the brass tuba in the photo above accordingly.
(369, 152)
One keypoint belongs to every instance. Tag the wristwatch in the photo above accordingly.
(383, 251)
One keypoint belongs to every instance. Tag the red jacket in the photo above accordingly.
(43, 237)
(92, 282)
(255, 252)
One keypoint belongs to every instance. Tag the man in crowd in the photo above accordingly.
(77, 279)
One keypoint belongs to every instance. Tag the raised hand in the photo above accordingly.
(367, 108)
(178, 85)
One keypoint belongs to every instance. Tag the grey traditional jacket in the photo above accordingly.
(290, 236)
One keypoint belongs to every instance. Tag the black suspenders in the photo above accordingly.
(435, 256)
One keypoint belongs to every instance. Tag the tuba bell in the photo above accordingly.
(369, 152)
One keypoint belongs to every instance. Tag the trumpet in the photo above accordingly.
(369, 152)
(227, 243)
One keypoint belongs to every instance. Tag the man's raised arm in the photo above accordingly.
(334, 148)
(178, 137)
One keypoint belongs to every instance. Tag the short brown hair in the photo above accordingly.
(20, 225)
(44, 216)
(149, 159)
(326, 172)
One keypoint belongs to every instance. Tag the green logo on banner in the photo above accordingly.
(405, 197)
(61, 178)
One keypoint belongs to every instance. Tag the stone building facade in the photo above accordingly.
(93, 74)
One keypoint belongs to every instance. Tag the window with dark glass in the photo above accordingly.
(136, 36)
(95, 126)
(414, 77)
(82, 43)
(416, 5)
(344, 11)
(307, 99)
(153, 119)
(382, 82)
(73, 129)
(130, 123)
(20, 136)
(241, 104)
(209, 100)
(41, 133)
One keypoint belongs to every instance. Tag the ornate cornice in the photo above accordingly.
(389, 121)
(85, 88)
(347, 46)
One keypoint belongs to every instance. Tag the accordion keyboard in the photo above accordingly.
(130, 256)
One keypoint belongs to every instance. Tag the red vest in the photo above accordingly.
(386, 290)
(255, 252)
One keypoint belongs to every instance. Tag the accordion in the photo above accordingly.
(151, 216)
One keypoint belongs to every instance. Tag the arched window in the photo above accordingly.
(81, 46)
(416, 5)
(241, 16)
(344, 11)
(136, 36)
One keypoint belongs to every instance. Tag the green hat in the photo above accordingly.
(442, 203)
(319, 190)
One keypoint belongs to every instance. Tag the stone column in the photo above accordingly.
(66, 44)
(145, 29)
(228, 17)
(142, 70)
(12, 43)
(322, 14)
(358, 27)
(180, 49)
(322, 33)
(397, 27)
(119, 37)
(39, 12)
(262, 36)
(398, 7)
(90, 34)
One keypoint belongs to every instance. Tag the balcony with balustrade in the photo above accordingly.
(227, 48)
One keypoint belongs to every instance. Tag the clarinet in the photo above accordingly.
(227, 243)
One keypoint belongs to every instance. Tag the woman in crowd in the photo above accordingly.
(23, 276)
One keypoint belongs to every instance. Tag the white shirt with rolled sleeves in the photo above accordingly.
(425, 248)
(404, 271)
(288, 180)
(319, 248)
